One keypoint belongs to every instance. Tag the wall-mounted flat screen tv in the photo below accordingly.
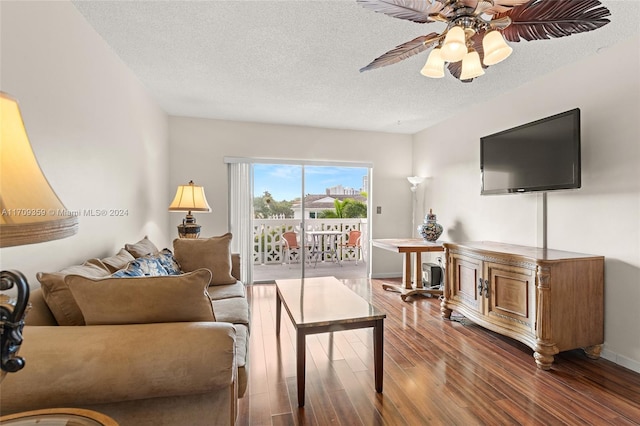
(543, 155)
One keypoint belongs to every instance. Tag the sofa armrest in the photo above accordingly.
(235, 266)
(76, 366)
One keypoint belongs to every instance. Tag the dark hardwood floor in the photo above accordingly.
(436, 372)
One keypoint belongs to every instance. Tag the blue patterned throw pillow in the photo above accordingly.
(132, 270)
(146, 266)
(168, 261)
(151, 266)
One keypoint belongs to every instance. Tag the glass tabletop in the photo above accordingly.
(323, 301)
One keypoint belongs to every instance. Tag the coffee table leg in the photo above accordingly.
(278, 311)
(301, 355)
(378, 353)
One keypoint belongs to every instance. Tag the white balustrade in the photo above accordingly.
(267, 237)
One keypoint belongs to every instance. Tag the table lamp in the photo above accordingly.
(189, 198)
(31, 213)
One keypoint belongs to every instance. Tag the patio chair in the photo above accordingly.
(354, 243)
(289, 242)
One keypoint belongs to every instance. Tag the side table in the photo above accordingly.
(58, 417)
(417, 246)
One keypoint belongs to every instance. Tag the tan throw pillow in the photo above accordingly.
(212, 253)
(143, 300)
(57, 295)
(141, 248)
(118, 261)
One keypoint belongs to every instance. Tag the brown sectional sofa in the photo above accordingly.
(129, 352)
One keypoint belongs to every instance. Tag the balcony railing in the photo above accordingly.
(267, 237)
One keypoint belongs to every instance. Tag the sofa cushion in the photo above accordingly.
(234, 310)
(242, 349)
(242, 343)
(225, 291)
(39, 314)
(141, 248)
(141, 300)
(212, 253)
(118, 261)
(57, 295)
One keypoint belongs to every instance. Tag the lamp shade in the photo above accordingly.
(190, 198)
(495, 48)
(31, 210)
(471, 67)
(434, 67)
(454, 47)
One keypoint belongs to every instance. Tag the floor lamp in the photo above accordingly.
(31, 213)
(415, 181)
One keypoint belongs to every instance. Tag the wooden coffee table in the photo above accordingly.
(321, 305)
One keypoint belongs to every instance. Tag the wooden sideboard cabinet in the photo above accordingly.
(550, 300)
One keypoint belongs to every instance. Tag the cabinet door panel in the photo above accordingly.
(511, 298)
(465, 282)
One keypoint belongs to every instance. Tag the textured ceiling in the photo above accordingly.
(297, 62)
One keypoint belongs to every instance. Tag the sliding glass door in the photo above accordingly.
(305, 219)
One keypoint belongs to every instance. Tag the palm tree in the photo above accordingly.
(349, 208)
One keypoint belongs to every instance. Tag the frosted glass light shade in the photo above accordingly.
(495, 48)
(454, 47)
(31, 210)
(471, 67)
(190, 198)
(415, 180)
(434, 67)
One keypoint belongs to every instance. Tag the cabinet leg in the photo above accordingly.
(444, 311)
(593, 352)
(544, 361)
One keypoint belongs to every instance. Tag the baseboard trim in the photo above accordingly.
(387, 275)
(620, 360)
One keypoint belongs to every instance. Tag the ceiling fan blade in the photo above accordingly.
(411, 10)
(544, 19)
(482, 7)
(404, 51)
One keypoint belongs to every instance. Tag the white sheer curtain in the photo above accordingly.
(240, 214)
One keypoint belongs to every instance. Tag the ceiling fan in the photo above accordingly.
(476, 30)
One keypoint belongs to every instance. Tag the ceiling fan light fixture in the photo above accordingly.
(495, 48)
(490, 22)
(454, 47)
(471, 67)
(434, 67)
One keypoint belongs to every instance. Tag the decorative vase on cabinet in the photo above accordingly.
(430, 229)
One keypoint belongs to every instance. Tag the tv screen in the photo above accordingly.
(542, 155)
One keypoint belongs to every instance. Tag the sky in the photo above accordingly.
(284, 181)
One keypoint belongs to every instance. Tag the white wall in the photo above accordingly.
(100, 139)
(603, 217)
(197, 148)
